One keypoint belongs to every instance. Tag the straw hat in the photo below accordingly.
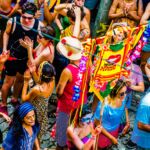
(70, 47)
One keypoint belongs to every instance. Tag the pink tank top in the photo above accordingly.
(65, 102)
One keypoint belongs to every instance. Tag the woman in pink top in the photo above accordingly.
(70, 48)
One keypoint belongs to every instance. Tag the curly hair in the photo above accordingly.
(29, 8)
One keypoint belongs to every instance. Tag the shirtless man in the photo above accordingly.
(129, 11)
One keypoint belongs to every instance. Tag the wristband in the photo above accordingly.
(93, 137)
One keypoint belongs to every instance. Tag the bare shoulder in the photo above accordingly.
(117, 2)
(66, 71)
(36, 89)
(86, 10)
(147, 10)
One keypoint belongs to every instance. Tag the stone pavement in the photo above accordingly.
(49, 143)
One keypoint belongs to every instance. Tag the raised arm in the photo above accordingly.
(28, 44)
(146, 15)
(88, 15)
(62, 8)
(57, 21)
(76, 29)
(15, 9)
(31, 94)
(112, 12)
(77, 141)
(48, 15)
(140, 8)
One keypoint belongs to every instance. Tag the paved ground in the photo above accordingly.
(48, 143)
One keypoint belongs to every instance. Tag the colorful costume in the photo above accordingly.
(110, 121)
(18, 52)
(110, 60)
(85, 139)
(65, 106)
(41, 105)
(17, 137)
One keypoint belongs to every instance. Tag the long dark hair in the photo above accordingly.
(16, 124)
(47, 71)
(71, 14)
(119, 85)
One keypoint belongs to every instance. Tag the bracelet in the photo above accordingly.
(61, 29)
(26, 82)
(93, 137)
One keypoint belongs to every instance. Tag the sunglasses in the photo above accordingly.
(122, 94)
(29, 18)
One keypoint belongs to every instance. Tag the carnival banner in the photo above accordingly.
(111, 59)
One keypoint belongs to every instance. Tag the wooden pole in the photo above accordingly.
(100, 121)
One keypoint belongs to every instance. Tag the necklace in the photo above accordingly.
(116, 47)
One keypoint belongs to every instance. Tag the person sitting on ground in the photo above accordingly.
(23, 130)
(40, 93)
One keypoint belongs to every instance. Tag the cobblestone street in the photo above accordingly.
(48, 143)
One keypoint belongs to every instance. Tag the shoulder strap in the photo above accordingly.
(11, 31)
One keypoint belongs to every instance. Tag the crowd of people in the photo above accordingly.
(41, 43)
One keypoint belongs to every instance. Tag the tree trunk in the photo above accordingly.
(101, 22)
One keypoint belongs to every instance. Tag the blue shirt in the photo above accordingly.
(23, 142)
(140, 137)
(111, 116)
